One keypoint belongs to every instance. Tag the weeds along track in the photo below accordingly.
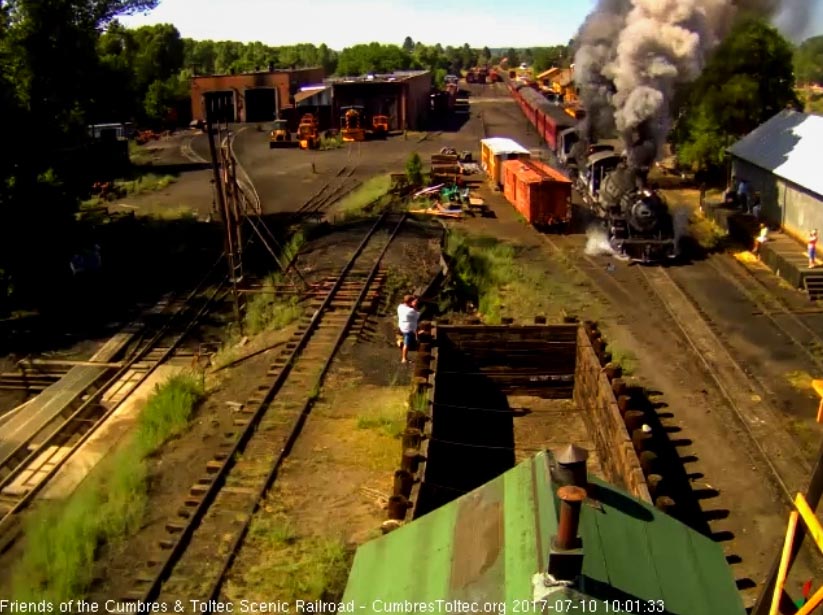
(329, 193)
(215, 514)
(39, 454)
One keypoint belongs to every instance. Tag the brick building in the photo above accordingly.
(251, 97)
(403, 96)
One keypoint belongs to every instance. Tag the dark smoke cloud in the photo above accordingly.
(631, 54)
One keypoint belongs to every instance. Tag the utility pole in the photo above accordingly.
(221, 185)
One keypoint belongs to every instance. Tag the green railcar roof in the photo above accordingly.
(485, 548)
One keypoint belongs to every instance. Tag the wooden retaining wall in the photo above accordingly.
(572, 363)
(595, 397)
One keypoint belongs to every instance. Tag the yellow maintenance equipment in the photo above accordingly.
(307, 133)
(280, 135)
(351, 124)
(380, 126)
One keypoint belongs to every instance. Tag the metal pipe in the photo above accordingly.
(571, 499)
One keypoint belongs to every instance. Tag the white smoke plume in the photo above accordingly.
(598, 244)
(631, 54)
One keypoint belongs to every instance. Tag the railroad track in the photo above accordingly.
(774, 309)
(744, 394)
(202, 541)
(651, 295)
(38, 456)
(329, 193)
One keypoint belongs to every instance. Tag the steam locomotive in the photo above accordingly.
(637, 218)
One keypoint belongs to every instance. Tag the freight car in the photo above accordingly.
(540, 193)
(637, 218)
(549, 119)
(494, 152)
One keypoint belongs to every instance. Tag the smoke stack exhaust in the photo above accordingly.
(632, 54)
(566, 554)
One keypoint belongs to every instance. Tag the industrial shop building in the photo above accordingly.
(403, 96)
(779, 159)
(250, 97)
(261, 96)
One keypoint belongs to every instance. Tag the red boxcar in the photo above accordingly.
(540, 193)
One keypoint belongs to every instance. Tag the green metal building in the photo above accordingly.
(490, 551)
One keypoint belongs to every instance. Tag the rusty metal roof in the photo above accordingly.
(486, 546)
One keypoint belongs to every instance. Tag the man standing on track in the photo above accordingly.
(407, 318)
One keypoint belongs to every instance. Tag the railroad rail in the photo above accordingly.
(39, 455)
(744, 395)
(190, 564)
(329, 193)
(773, 308)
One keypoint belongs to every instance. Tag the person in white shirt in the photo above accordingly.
(407, 318)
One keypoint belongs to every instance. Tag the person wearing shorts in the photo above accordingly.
(407, 318)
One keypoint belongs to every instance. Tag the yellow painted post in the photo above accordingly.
(809, 518)
(817, 385)
(783, 571)
(812, 604)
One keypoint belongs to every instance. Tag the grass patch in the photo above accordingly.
(145, 183)
(293, 566)
(481, 268)
(358, 202)
(150, 182)
(501, 279)
(62, 538)
(705, 231)
(138, 154)
(624, 358)
(387, 421)
(335, 142)
(800, 380)
(271, 309)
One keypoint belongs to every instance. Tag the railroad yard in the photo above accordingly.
(289, 461)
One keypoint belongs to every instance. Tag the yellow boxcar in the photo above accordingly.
(495, 151)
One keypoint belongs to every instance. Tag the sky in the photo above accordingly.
(340, 23)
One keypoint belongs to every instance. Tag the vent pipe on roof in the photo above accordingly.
(566, 553)
(570, 467)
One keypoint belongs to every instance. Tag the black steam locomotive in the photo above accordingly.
(637, 218)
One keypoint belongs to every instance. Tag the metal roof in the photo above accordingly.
(500, 145)
(788, 145)
(486, 546)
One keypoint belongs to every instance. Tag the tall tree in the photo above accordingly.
(808, 61)
(408, 44)
(747, 80)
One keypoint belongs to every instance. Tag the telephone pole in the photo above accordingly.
(226, 197)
